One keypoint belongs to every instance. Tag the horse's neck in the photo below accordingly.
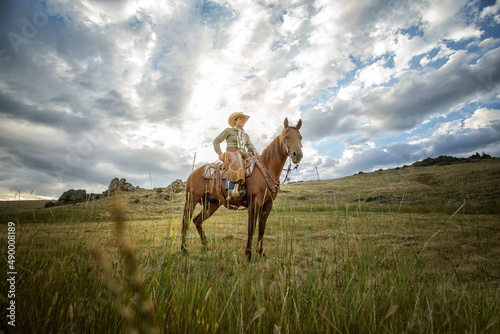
(273, 158)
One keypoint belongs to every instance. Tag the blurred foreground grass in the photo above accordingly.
(419, 258)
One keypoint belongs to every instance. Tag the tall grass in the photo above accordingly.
(327, 270)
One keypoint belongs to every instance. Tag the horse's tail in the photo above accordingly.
(189, 186)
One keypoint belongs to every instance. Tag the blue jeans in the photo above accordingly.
(229, 184)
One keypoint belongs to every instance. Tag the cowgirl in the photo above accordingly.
(238, 142)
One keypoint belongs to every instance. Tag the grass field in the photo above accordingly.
(412, 250)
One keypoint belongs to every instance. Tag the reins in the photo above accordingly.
(288, 170)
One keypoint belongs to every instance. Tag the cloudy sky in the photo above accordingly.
(92, 90)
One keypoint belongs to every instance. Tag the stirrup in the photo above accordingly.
(230, 193)
(244, 198)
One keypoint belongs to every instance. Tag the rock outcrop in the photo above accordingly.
(116, 185)
(75, 196)
(71, 196)
(119, 185)
(449, 160)
(177, 186)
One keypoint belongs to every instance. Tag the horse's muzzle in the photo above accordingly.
(296, 156)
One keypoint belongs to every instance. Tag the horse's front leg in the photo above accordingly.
(264, 214)
(253, 209)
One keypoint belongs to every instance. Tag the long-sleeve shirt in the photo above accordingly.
(230, 135)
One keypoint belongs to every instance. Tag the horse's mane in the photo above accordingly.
(272, 151)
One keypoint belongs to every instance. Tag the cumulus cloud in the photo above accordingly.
(415, 97)
(92, 90)
(482, 118)
(492, 11)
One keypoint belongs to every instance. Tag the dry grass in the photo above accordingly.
(430, 189)
(334, 263)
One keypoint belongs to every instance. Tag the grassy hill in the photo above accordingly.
(412, 249)
(436, 188)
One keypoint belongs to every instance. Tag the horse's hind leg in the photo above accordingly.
(209, 207)
(188, 213)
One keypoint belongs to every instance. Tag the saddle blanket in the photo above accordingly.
(210, 169)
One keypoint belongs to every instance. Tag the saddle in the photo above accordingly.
(218, 175)
(218, 167)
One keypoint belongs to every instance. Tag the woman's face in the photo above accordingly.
(240, 122)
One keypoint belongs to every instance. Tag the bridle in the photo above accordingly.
(271, 182)
(289, 169)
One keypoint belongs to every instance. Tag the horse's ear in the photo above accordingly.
(299, 124)
(286, 122)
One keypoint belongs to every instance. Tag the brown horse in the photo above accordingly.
(262, 188)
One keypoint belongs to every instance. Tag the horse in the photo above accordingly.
(262, 188)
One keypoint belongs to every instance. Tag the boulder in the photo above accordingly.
(72, 196)
(177, 186)
(50, 204)
(113, 185)
(119, 185)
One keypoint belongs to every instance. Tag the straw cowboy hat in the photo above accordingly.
(235, 115)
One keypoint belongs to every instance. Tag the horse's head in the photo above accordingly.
(292, 141)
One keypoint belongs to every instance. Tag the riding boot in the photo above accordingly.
(235, 194)
(232, 194)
